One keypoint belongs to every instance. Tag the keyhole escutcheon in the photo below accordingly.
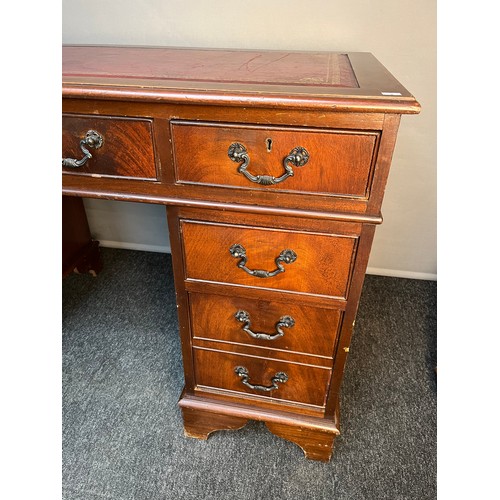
(269, 144)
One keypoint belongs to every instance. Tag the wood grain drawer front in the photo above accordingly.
(126, 151)
(304, 384)
(322, 266)
(275, 325)
(339, 162)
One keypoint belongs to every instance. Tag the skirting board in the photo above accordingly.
(394, 273)
(127, 245)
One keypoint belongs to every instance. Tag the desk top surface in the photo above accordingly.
(233, 77)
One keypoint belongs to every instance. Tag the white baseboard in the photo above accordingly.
(395, 273)
(398, 273)
(126, 245)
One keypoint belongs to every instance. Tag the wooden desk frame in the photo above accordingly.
(110, 87)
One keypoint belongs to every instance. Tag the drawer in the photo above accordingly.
(122, 148)
(320, 161)
(304, 384)
(286, 260)
(287, 326)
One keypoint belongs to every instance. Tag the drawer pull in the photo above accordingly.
(297, 157)
(242, 372)
(284, 322)
(286, 256)
(92, 139)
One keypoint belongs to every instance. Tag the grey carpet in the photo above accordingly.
(122, 376)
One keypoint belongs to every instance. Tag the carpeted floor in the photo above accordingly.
(122, 376)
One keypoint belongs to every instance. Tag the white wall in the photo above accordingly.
(400, 33)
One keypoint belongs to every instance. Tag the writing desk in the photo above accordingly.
(272, 167)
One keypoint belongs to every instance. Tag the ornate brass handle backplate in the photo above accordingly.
(280, 377)
(284, 322)
(297, 157)
(92, 139)
(286, 256)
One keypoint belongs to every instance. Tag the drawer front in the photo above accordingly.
(322, 266)
(275, 325)
(126, 149)
(304, 384)
(335, 162)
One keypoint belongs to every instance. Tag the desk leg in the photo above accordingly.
(203, 415)
(199, 425)
(80, 253)
(317, 444)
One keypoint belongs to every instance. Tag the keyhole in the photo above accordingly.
(269, 143)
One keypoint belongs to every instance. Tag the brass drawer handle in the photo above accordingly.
(284, 322)
(286, 256)
(92, 139)
(297, 157)
(242, 372)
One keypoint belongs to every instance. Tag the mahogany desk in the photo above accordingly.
(272, 166)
